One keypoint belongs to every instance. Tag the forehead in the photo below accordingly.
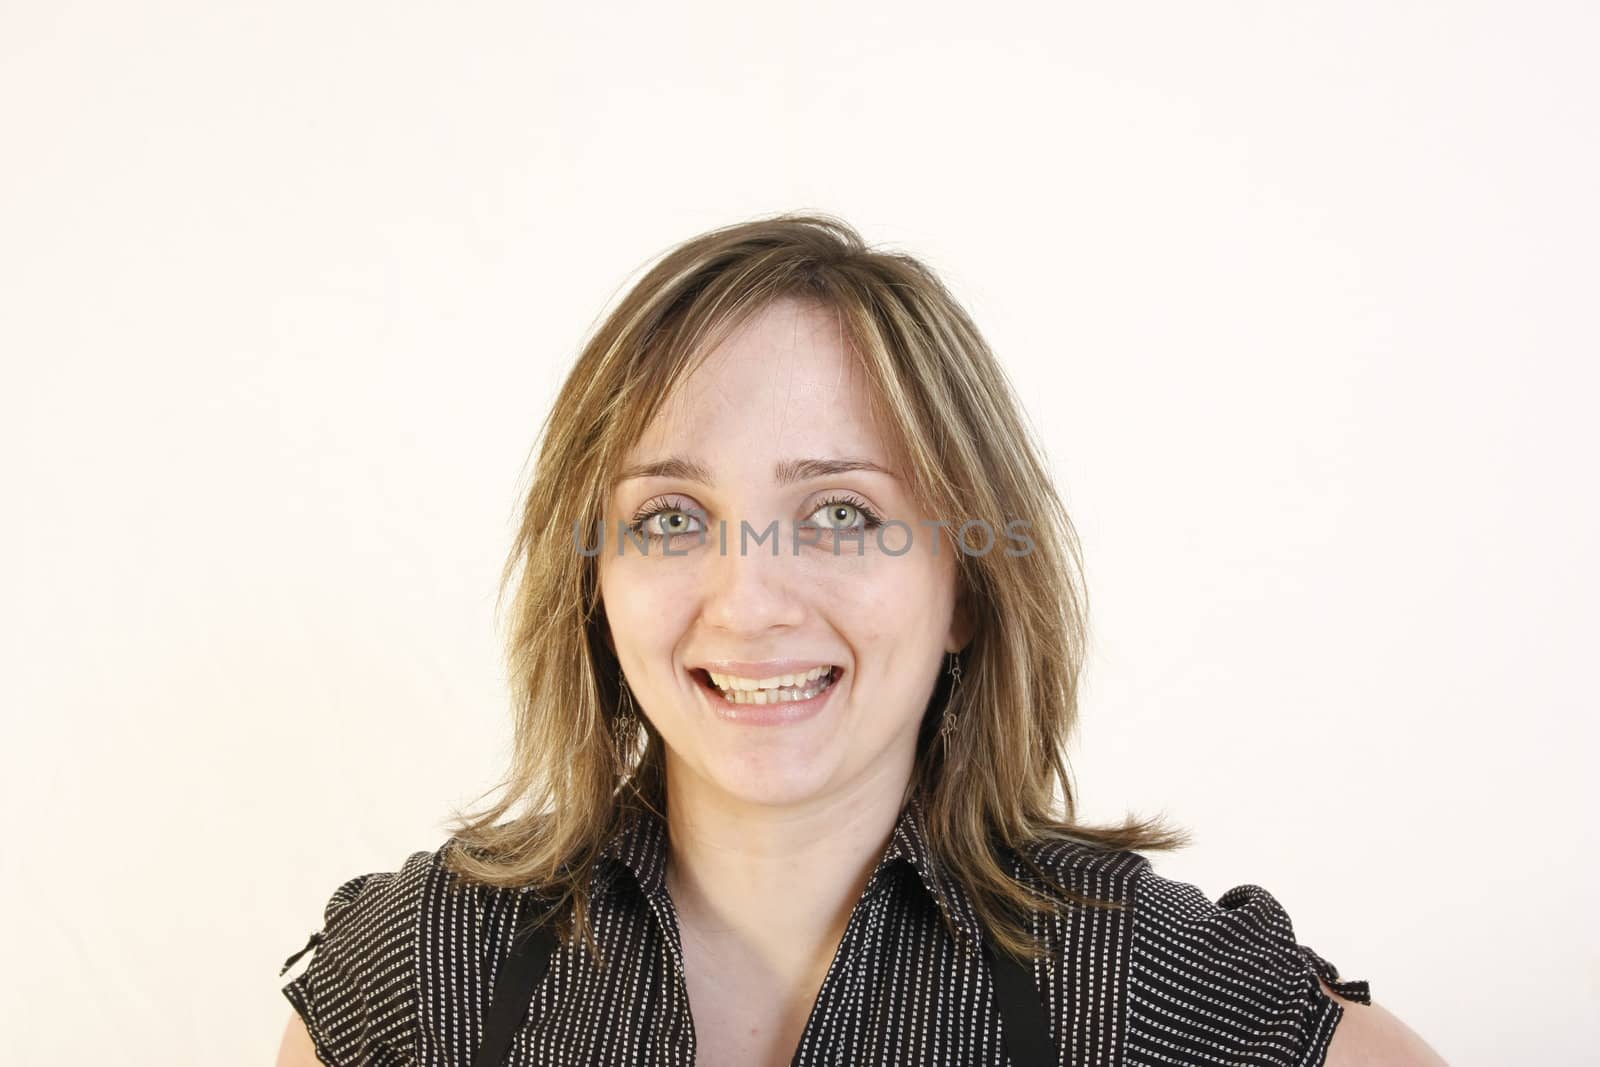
(785, 382)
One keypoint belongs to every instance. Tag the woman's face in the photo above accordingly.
(749, 430)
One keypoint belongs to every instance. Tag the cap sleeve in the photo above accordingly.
(358, 995)
(1228, 980)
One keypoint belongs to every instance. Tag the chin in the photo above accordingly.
(771, 778)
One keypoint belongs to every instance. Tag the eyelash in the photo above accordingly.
(871, 520)
(650, 510)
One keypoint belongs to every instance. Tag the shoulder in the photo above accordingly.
(381, 934)
(375, 910)
(1084, 869)
(1203, 980)
(1227, 978)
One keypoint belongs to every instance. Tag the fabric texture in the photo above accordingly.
(405, 963)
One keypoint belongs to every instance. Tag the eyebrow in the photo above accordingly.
(786, 473)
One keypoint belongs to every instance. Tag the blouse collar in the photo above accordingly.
(642, 847)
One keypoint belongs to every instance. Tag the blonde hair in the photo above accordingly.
(936, 387)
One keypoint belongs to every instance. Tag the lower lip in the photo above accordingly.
(767, 714)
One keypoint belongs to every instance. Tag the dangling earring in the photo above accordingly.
(947, 727)
(627, 722)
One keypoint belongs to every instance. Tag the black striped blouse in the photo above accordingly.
(405, 964)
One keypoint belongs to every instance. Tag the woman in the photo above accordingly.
(798, 629)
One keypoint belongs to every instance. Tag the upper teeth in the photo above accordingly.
(733, 681)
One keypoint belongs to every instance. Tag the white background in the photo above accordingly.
(1301, 297)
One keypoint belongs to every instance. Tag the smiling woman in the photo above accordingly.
(790, 781)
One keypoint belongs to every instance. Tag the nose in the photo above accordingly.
(748, 590)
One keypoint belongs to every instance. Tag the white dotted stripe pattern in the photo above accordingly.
(1226, 983)
(406, 962)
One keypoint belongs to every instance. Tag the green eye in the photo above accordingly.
(839, 516)
(664, 521)
(845, 514)
(670, 522)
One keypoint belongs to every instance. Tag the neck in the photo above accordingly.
(774, 886)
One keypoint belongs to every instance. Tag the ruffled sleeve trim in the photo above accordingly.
(1355, 989)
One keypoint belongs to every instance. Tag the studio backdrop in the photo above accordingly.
(1300, 300)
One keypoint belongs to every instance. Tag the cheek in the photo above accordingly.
(896, 599)
(647, 608)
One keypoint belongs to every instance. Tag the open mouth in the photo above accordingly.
(784, 689)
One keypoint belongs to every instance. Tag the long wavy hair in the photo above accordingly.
(574, 780)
